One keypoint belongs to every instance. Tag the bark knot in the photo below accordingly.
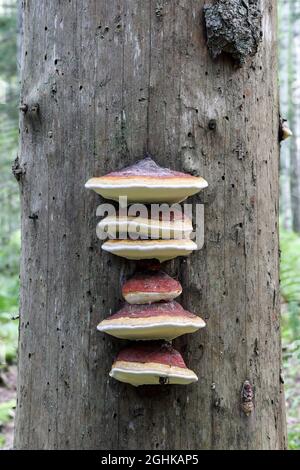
(23, 108)
(17, 170)
(212, 124)
(247, 397)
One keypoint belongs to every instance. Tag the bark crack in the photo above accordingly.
(149, 78)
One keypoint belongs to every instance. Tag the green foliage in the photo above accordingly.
(290, 283)
(9, 192)
(8, 61)
(290, 290)
(291, 360)
(8, 45)
(6, 415)
(9, 199)
(9, 294)
(9, 91)
(6, 411)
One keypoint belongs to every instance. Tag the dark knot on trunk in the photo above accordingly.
(17, 170)
(247, 397)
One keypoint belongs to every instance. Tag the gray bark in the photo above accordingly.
(19, 33)
(241, 41)
(112, 79)
(286, 107)
(295, 154)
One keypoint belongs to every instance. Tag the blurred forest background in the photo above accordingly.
(289, 77)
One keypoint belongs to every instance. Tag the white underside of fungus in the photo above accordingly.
(137, 374)
(144, 228)
(147, 182)
(162, 250)
(151, 364)
(164, 320)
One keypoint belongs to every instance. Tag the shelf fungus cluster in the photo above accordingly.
(151, 317)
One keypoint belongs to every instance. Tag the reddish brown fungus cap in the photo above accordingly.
(148, 168)
(157, 309)
(147, 182)
(160, 320)
(152, 363)
(150, 287)
(153, 352)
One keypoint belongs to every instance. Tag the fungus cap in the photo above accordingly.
(148, 287)
(151, 364)
(162, 250)
(162, 320)
(286, 131)
(168, 224)
(147, 182)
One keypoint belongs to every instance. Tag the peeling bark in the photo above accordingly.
(234, 27)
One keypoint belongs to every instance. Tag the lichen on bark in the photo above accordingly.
(234, 27)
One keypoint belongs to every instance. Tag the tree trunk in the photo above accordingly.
(295, 155)
(286, 106)
(113, 79)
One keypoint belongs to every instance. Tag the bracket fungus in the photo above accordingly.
(147, 182)
(144, 288)
(163, 320)
(172, 224)
(151, 313)
(284, 130)
(163, 250)
(151, 364)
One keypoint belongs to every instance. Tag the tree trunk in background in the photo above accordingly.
(112, 79)
(286, 107)
(295, 155)
(19, 33)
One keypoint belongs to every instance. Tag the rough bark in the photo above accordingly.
(112, 79)
(234, 27)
